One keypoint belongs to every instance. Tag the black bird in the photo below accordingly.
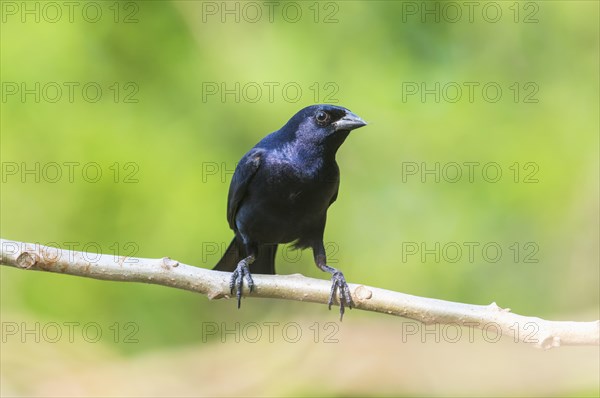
(280, 192)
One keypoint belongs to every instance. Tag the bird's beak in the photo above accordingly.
(349, 122)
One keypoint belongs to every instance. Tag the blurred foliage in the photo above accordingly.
(175, 135)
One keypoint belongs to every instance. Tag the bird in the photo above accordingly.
(280, 192)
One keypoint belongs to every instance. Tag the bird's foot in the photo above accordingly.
(338, 282)
(237, 278)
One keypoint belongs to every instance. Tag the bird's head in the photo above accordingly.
(324, 124)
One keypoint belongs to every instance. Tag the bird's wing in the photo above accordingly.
(242, 176)
(337, 188)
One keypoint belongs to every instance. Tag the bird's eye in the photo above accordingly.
(322, 117)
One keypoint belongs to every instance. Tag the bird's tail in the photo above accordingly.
(263, 264)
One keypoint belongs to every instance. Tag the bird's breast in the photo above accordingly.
(283, 202)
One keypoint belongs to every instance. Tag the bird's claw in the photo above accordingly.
(338, 282)
(237, 278)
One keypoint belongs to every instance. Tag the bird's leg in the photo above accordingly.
(338, 282)
(238, 275)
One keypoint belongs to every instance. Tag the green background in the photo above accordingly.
(175, 145)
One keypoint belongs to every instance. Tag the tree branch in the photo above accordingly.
(215, 284)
